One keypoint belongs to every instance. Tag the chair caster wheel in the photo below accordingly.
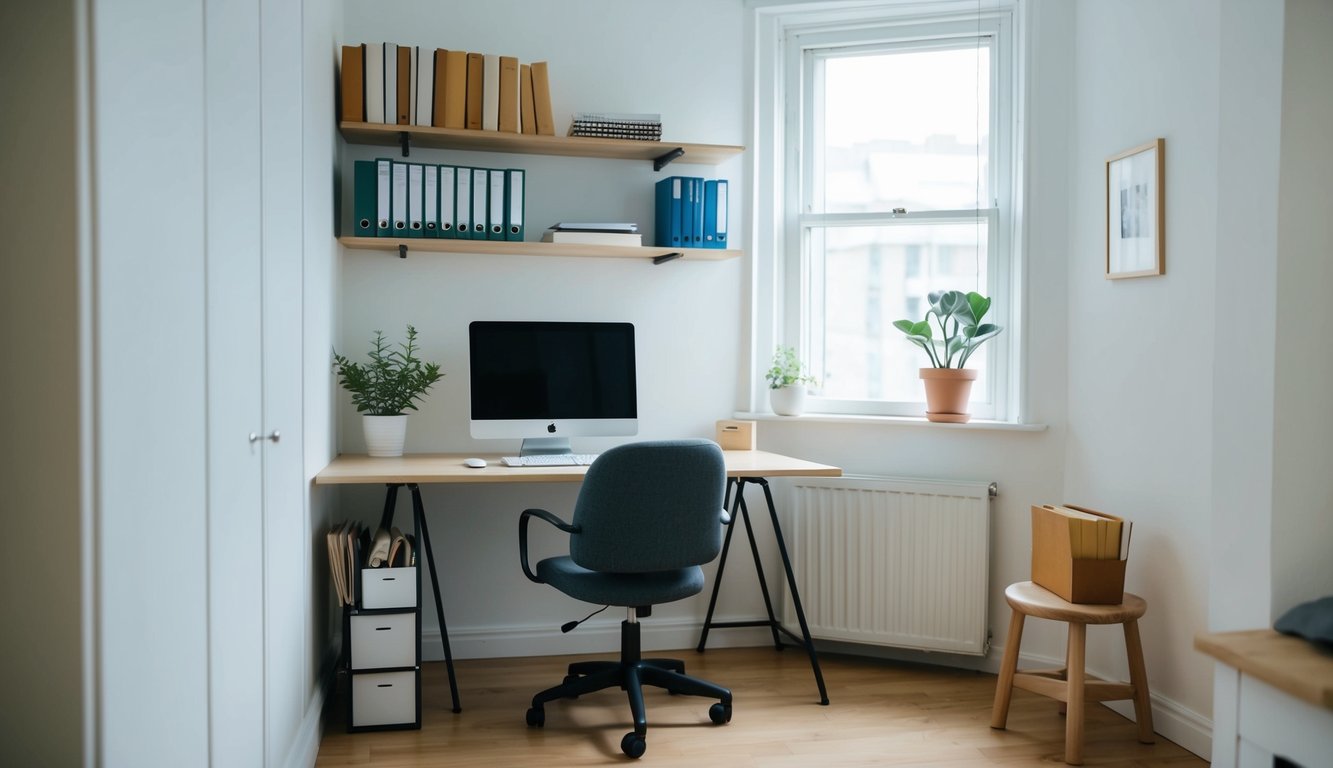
(536, 717)
(720, 713)
(633, 745)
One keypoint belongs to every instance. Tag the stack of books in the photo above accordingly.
(615, 125)
(594, 233)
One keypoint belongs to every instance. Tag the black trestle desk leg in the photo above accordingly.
(795, 594)
(773, 624)
(721, 565)
(419, 510)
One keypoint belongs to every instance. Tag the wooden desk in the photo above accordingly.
(1283, 703)
(743, 468)
(428, 468)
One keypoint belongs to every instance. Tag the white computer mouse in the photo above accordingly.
(474, 463)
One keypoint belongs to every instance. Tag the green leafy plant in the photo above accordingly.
(787, 370)
(392, 382)
(959, 317)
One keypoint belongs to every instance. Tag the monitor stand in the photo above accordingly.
(544, 446)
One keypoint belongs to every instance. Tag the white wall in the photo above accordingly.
(1140, 350)
(621, 57)
(1303, 423)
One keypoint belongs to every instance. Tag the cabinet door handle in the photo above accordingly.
(275, 436)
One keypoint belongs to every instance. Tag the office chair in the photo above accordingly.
(648, 515)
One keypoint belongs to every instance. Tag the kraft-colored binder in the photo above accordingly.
(455, 90)
(541, 98)
(476, 66)
(508, 94)
(441, 88)
(526, 108)
(352, 82)
(405, 94)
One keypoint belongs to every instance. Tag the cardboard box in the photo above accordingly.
(736, 435)
(1078, 580)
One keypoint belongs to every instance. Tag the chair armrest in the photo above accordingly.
(725, 517)
(523, 536)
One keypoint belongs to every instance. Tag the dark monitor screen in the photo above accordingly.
(532, 379)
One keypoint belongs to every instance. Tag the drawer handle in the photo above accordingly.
(388, 578)
(384, 685)
(383, 629)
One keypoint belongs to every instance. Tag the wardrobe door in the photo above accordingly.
(237, 429)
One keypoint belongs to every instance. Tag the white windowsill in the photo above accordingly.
(892, 421)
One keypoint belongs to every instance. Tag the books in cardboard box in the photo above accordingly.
(1079, 553)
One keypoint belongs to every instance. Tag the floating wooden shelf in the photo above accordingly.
(527, 144)
(518, 248)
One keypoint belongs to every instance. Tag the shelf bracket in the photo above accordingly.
(405, 141)
(402, 250)
(664, 258)
(661, 161)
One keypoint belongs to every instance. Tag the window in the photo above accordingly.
(892, 137)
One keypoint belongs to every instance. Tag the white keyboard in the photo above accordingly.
(551, 460)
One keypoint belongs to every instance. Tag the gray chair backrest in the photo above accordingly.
(650, 506)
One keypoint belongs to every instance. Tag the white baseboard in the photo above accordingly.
(595, 636)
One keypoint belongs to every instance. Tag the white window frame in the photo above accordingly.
(782, 32)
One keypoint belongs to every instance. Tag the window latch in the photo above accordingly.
(897, 211)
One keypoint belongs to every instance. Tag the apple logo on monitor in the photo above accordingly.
(551, 427)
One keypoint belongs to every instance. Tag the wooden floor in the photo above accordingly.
(882, 713)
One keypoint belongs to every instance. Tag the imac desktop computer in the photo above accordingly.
(544, 382)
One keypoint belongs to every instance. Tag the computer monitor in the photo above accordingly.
(544, 382)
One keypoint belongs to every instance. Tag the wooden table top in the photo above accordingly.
(1288, 663)
(448, 468)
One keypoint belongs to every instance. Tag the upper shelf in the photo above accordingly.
(519, 248)
(528, 144)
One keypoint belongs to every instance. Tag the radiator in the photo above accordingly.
(889, 561)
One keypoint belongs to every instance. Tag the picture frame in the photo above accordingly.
(1136, 211)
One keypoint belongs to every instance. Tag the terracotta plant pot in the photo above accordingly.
(947, 392)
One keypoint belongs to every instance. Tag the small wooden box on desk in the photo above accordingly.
(382, 638)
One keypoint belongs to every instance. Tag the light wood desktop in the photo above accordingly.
(430, 468)
(743, 468)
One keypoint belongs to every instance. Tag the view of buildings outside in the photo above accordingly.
(908, 130)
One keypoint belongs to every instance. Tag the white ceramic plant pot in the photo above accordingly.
(384, 434)
(788, 400)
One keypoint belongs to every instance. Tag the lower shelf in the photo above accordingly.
(521, 248)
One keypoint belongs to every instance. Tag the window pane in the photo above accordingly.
(862, 279)
(904, 129)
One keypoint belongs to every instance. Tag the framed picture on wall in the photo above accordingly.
(1136, 211)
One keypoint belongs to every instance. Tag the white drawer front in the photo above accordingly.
(384, 698)
(389, 588)
(384, 640)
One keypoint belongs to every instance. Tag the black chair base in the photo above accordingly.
(631, 673)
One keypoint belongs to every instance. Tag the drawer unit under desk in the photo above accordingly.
(382, 640)
(385, 700)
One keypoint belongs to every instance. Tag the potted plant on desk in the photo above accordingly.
(787, 380)
(948, 384)
(385, 389)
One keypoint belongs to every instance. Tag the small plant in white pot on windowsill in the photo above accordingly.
(384, 389)
(787, 380)
(948, 384)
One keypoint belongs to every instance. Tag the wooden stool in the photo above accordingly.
(1071, 685)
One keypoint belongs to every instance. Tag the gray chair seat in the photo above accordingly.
(623, 589)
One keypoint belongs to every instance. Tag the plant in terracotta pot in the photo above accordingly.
(948, 383)
(383, 390)
(787, 379)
